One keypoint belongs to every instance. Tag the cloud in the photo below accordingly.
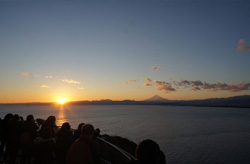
(148, 80)
(208, 86)
(221, 86)
(147, 85)
(81, 88)
(196, 83)
(164, 86)
(44, 86)
(48, 77)
(71, 81)
(160, 85)
(231, 87)
(36, 75)
(26, 74)
(195, 88)
(183, 83)
(243, 47)
(130, 81)
(189, 83)
(156, 68)
(29, 74)
(241, 41)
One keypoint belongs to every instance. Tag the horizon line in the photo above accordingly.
(56, 102)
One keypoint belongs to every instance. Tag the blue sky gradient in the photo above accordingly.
(104, 44)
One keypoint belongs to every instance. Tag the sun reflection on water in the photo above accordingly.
(61, 116)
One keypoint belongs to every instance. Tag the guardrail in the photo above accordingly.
(123, 152)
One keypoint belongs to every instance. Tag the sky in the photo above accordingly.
(123, 49)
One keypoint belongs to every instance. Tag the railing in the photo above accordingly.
(127, 155)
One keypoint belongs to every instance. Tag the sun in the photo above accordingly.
(62, 101)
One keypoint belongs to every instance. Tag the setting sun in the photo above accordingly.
(61, 101)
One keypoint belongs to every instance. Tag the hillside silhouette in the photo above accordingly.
(236, 101)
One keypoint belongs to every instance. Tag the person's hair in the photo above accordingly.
(87, 129)
(30, 118)
(8, 116)
(51, 121)
(148, 151)
(39, 121)
(65, 126)
(16, 117)
(80, 126)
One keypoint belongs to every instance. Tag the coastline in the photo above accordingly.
(232, 102)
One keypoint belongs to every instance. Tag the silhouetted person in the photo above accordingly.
(1, 137)
(28, 134)
(1, 130)
(50, 123)
(84, 150)
(148, 152)
(4, 133)
(40, 121)
(62, 144)
(14, 132)
(77, 133)
(45, 147)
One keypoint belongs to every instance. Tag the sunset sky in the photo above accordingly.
(123, 49)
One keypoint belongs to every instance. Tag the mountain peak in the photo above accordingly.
(156, 98)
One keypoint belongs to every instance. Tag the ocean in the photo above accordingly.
(185, 134)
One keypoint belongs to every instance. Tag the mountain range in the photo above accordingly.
(236, 101)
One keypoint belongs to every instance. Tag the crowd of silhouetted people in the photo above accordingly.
(38, 141)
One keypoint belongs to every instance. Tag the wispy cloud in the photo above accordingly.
(30, 74)
(183, 83)
(220, 86)
(242, 47)
(48, 77)
(241, 41)
(81, 88)
(26, 74)
(44, 86)
(71, 81)
(156, 68)
(160, 86)
(164, 86)
(195, 88)
(147, 85)
(229, 87)
(188, 83)
(130, 81)
(197, 85)
(148, 80)
(196, 82)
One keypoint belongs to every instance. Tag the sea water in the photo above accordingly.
(185, 134)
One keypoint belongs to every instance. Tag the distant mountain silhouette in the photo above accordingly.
(236, 101)
(157, 98)
(242, 101)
